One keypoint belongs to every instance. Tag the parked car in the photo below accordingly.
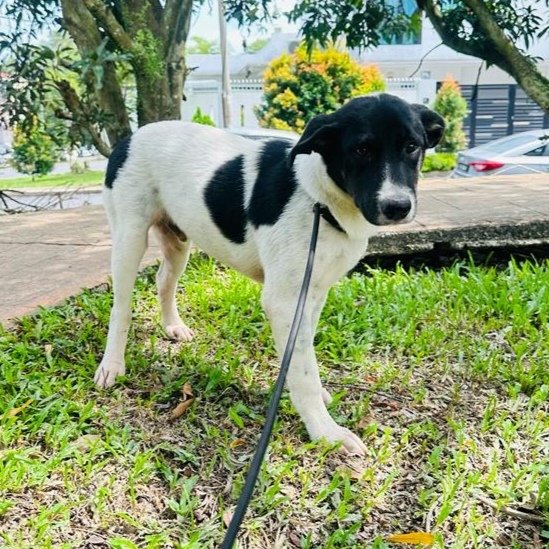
(520, 153)
(264, 133)
(86, 151)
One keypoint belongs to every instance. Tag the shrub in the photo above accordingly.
(202, 118)
(299, 86)
(78, 167)
(451, 105)
(439, 162)
(34, 151)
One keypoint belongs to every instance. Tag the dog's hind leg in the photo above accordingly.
(129, 245)
(175, 251)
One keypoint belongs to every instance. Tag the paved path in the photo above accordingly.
(48, 256)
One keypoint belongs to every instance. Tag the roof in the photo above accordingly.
(205, 65)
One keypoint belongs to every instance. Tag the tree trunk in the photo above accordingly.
(82, 27)
(159, 59)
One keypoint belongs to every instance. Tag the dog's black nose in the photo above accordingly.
(396, 209)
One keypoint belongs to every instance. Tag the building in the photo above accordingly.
(414, 66)
(203, 86)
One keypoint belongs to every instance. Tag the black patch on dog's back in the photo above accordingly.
(224, 196)
(116, 160)
(274, 185)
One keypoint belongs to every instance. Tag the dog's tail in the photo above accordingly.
(116, 160)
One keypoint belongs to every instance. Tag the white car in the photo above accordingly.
(520, 153)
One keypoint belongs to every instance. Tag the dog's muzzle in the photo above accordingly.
(390, 210)
(396, 209)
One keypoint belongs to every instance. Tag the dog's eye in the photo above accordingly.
(411, 147)
(361, 150)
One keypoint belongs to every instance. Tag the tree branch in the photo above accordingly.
(178, 32)
(107, 19)
(81, 25)
(178, 21)
(494, 47)
(80, 116)
(452, 40)
(158, 10)
(503, 45)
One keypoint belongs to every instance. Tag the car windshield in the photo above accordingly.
(509, 143)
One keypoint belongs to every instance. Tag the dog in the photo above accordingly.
(249, 204)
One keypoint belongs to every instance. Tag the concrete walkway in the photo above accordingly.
(46, 257)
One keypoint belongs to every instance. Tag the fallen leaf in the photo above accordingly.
(227, 516)
(413, 538)
(351, 472)
(85, 442)
(365, 421)
(14, 411)
(237, 442)
(186, 390)
(48, 348)
(181, 408)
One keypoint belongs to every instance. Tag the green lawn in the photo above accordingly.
(57, 180)
(443, 374)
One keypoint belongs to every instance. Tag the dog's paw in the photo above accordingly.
(179, 332)
(106, 374)
(326, 397)
(350, 443)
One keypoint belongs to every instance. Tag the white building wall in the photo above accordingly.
(247, 94)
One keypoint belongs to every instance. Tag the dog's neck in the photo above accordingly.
(314, 179)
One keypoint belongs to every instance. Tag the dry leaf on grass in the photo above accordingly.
(48, 348)
(85, 442)
(227, 516)
(237, 442)
(184, 404)
(355, 473)
(413, 538)
(14, 411)
(181, 408)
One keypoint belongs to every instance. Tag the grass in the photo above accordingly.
(70, 180)
(443, 374)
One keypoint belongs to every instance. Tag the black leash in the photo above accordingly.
(270, 417)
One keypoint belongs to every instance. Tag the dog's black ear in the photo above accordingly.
(433, 124)
(318, 134)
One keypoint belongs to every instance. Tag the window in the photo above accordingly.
(538, 151)
(507, 144)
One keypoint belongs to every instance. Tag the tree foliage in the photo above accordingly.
(114, 46)
(451, 105)
(202, 45)
(255, 45)
(120, 53)
(299, 86)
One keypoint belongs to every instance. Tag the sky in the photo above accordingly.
(206, 25)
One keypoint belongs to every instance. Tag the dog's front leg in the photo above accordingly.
(303, 380)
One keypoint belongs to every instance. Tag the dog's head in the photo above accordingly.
(373, 148)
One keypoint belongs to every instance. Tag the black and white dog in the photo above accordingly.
(250, 204)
